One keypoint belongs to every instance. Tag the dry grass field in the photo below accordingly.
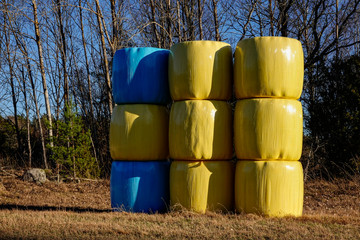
(82, 211)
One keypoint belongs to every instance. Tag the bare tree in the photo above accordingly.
(271, 17)
(14, 28)
(118, 7)
(152, 7)
(43, 76)
(62, 49)
(28, 131)
(87, 67)
(178, 20)
(169, 20)
(216, 21)
(104, 54)
(200, 5)
(115, 34)
(22, 46)
(284, 7)
(10, 60)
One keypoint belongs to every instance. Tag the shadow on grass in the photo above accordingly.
(51, 208)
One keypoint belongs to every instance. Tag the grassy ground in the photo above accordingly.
(82, 210)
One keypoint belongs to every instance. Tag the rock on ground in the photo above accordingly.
(35, 175)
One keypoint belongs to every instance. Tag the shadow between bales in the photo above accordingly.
(51, 208)
(221, 61)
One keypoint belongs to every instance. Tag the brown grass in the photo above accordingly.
(82, 210)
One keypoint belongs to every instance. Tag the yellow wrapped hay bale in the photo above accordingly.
(200, 70)
(268, 67)
(200, 130)
(271, 188)
(202, 185)
(268, 129)
(139, 132)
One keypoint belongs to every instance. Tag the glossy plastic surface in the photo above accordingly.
(202, 185)
(268, 129)
(200, 130)
(139, 132)
(271, 188)
(200, 70)
(269, 67)
(140, 186)
(140, 75)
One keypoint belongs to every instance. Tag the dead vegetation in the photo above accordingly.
(82, 210)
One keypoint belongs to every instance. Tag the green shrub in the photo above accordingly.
(71, 149)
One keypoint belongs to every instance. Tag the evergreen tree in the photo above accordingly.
(72, 146)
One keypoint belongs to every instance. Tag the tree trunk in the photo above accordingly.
(28, 139)
(153, 24)
(284, 7)
(43, 76)
(22, 46)
(188, 8)
(13, 96)
(179, 20)
(169, 20)
(42, 138)
(161, 21)
(248, 19)
(63, 52)
(261, 27)
(14, 101)
(115, 36)
(216, 21)
(271, 18)
(86, 64)
(200, 13)
(103, 47)
(337, 30)
(11, 79)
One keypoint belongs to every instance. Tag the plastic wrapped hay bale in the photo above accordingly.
(268, 129)
(200, 130)
(200, 70)
(139, 132)
(138, 186)
(140, 75)
(268, 67)
(271, 188)
(202, 185)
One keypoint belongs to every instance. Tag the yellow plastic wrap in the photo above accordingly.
(268, 129)
(139, 132)
(200, 130)
(202, 185)
(269, 67)
(200, 70)
(271, 188)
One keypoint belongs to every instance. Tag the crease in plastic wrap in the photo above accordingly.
(200, 70)
(271, 188)
(140, 186)
(200, 130)
(268, 67)
(202, 185)
(140, 75)
(268, 129)
(139, 132)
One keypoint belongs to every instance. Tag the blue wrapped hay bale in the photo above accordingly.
(140, 75)
(140, 186)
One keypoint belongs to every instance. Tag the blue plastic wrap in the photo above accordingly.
(140, 75)
(140, 186)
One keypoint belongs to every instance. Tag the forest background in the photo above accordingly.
(55, 72)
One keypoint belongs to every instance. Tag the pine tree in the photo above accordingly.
(72, 147)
